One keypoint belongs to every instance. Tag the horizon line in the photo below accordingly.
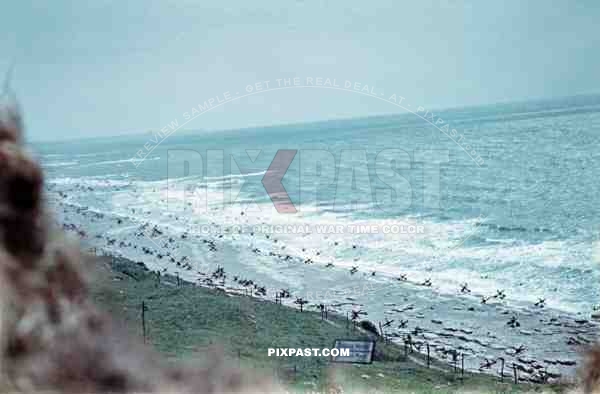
(139, 133)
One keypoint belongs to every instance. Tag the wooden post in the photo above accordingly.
(462, 365)
(144, 320)
(502, 369)
(428, 362)
(516, 375)
(347, 320)
(326, 312)
(455, 360)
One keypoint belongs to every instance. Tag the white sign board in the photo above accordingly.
(360, 351)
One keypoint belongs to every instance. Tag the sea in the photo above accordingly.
(480, 238)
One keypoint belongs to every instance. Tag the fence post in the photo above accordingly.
(502, 370)
(462, 365)
(516, 375)
(428, 355)
(454, 360)
(144, 320)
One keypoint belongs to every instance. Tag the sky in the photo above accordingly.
(89, 69)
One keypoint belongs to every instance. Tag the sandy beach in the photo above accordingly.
(534, 338)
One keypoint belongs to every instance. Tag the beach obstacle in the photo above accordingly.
(355, 317)
(301, 302)
(322, 308)
(387, 323)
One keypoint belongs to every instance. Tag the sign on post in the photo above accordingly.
(359, 351)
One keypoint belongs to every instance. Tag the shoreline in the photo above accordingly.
(243, 328)
(171, 280)
(538, 341)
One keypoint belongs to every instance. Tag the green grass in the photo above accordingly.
(183, 322)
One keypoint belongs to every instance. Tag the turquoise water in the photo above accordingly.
(523, 219)
(535, 193)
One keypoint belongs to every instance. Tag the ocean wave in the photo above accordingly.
(100, 182)
(449, 252)
(517, 229)
(95, 154)
(60, 164)
(236, 176)
(102, 163)
(501, 240)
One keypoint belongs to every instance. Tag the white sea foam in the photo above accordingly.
(439, 253)
(101, 163)
(60, 164)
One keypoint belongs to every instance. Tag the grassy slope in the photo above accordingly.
(184, 321)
